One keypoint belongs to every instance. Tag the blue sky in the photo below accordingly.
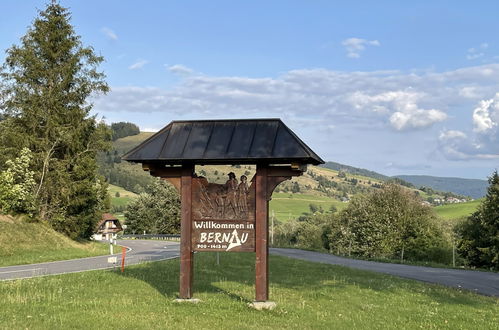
(391, 86)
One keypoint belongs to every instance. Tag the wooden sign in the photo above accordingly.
(232, 216)
(223, 215)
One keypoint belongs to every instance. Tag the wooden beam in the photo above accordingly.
(166, 172)
(176, 182)
(273, 182)
(261, 235)
(186, 255)
(283, 171)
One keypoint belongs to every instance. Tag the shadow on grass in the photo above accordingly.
(285, 273)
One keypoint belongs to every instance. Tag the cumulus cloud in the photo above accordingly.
(109, 33)
(416, 119)
(403, 106)
(486, 115)
(179, 69)
(138, 64)
(482, 142)
(355, 46)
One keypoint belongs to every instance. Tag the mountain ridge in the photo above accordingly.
(474, 188)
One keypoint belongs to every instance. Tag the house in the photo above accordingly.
(107, 226)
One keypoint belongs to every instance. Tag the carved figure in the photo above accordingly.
(229, 201)
(231, 196)
(242, 195)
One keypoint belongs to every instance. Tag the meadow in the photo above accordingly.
(308, 296)
(458, 210)
(124, 198)
(287, 206)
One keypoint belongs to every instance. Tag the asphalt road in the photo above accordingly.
(138, 251)
(486, 283)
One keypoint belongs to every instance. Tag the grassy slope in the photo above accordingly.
(125, 197)
(456, 211)
(290, 206)
(25, 243)
(308, 296)
(125, 144)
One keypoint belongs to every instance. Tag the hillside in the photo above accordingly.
(333, 180)
(468, 187)
(457, 211)
(325, 186)
(355, 170)
(36, 242)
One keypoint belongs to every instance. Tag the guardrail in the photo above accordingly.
(169, 237)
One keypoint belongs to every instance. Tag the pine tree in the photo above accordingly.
(47, 82)
(479, 243)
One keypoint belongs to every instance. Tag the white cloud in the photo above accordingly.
(475, 53)
(451, 135)
(138, 64)
(109, 33)
(324, 100)
(482, 142)
(486, 115)
(355, 46)
(406, 113)
(179, 69)
(416, 119)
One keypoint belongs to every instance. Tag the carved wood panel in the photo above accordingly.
(223, 215)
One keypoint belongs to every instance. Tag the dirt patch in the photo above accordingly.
(6, 218)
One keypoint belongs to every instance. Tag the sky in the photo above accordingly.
(396, 87)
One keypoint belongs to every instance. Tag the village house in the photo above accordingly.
(107, 226)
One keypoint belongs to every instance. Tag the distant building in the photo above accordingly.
(107, 226)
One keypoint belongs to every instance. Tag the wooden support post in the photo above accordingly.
(261, 235)
(186, 255)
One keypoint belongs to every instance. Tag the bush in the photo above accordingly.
(389, 223)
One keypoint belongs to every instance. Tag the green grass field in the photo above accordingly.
(127, 143)
(288, 206)
(125, 197)
(26, 243)
(308, 296)
(458, 210)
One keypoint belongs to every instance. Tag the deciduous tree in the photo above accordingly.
(156, 211)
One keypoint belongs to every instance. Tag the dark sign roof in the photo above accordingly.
(247, 141)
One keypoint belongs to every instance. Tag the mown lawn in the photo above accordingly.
(308, 295)
(25, 243)
(458, 210)
(288, 206)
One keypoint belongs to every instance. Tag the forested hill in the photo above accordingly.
(355, 171)
(468, 187)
